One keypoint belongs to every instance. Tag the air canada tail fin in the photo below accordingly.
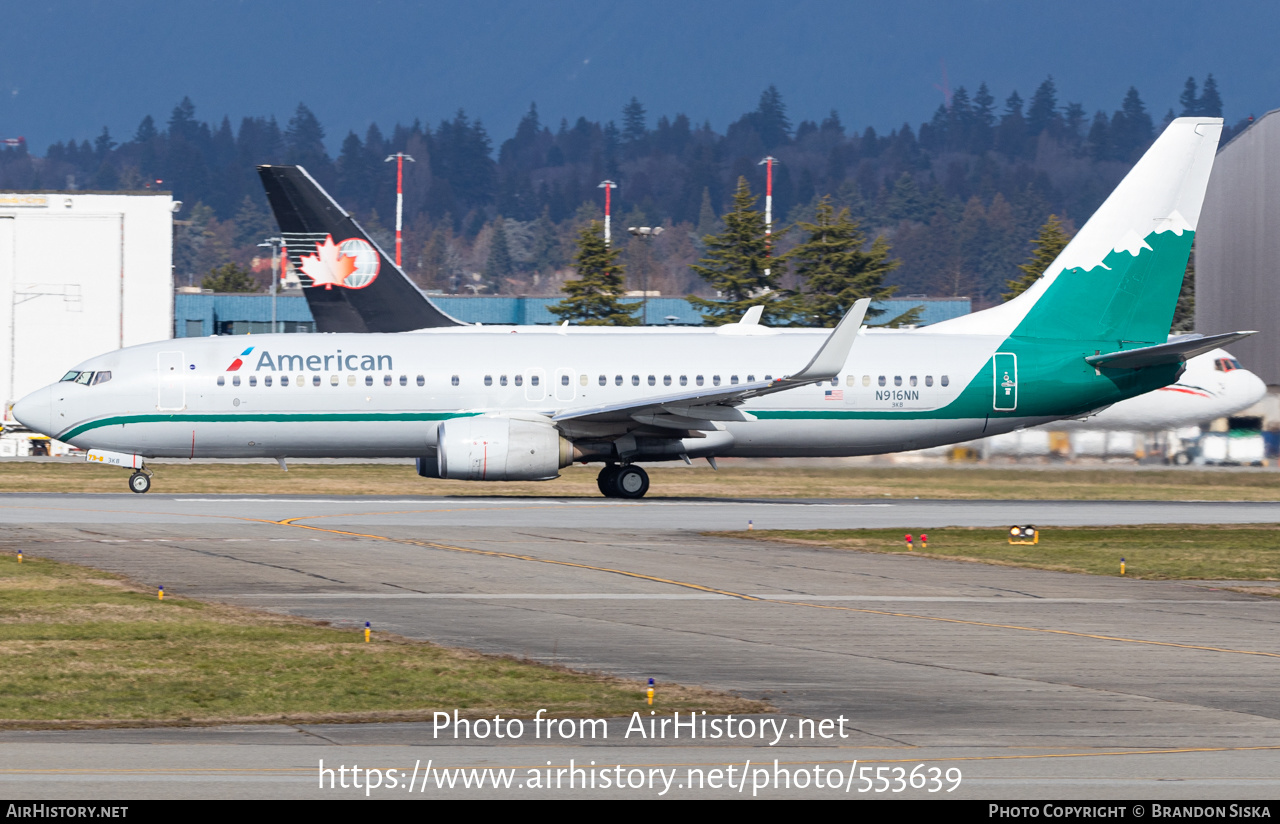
(1119, 277)
(349, 282)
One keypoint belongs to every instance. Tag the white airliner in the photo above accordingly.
(1214, 385)
(519, 403)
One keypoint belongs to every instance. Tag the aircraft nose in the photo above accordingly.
(35, 411)
(1253, 386)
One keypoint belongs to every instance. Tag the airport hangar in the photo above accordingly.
(1236, 252)
(80, 274)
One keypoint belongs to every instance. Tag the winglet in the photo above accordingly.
(830, 359)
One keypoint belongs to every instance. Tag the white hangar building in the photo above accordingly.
(80, 274)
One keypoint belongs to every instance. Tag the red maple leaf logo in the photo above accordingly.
(328, 266)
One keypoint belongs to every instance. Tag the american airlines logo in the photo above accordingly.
(335, 362)
(238, 362)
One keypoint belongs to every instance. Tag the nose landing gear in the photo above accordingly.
(140, 481)
(629, 481)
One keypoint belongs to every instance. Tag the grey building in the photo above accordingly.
(1238, 247)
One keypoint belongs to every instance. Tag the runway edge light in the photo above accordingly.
(367, 630)
(160, 594)
(1122, 566)
(649, 692)
(909, 546)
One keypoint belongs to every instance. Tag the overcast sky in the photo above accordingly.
(68, 68)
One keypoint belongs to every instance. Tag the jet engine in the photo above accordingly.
(500, 449)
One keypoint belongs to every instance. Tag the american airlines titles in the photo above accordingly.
(323, 363)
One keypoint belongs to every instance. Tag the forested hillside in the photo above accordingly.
(959, 198)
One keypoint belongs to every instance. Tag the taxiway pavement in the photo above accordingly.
(1035, 679)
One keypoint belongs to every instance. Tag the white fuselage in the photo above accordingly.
(363, 395)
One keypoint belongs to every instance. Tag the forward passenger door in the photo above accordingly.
(172, 382)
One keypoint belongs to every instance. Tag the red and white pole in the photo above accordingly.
(400, 158)
(768, 208)
(607, 186)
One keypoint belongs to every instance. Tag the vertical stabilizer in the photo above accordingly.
(1119, 277)
(349, 282)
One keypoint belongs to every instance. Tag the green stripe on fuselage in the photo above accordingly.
(269, 417)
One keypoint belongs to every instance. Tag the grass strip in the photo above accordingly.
(1160, 552)
(753, 479)
(84, 648)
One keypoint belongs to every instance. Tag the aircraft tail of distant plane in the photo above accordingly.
(1118, 279)
(349, 282)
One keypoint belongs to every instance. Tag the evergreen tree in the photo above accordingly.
(735, 263)
(771, 119)
(229, 278)
(834, 268)
(1011, 137)
(1047, 246)
(182, 121)
(593, 297)
(1131, 127)
(984, 120)
(1073, 118)
(103, 145)
(905, 200)
(1189, 99)
(1210, 102)
(1100, 147)
(544, 251)
(305, 139)
(499, 265)
(252, 223)
(146, 131)
(1044, 107)
(708, 223)
(633, 125)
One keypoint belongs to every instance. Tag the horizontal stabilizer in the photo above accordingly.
(1175, 351)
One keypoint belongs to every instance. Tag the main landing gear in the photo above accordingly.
(140, 481)
(629, 481)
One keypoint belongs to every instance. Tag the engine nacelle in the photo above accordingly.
(500, 449)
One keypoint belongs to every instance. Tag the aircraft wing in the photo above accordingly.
(700, 408)
(1178, 349)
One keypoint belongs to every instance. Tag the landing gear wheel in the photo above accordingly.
(606, 481)
(139, 482)
(631, 482)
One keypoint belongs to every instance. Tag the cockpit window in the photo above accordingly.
(101, 377)
(70, 376)
(1221, 365)
(84, 377)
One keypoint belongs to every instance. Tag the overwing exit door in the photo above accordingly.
(1006, 380)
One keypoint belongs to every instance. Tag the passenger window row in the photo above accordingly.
(851, 380)
(456, 380)
(334, 380)
(618, 380)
